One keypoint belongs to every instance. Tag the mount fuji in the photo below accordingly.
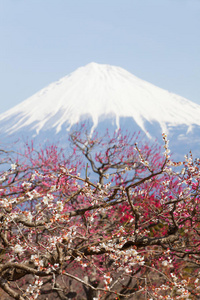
(105, 96)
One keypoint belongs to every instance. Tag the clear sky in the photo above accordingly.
(44, 40)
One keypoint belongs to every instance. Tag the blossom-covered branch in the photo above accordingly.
(117, 216)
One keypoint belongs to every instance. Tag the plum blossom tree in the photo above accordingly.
(121, 223)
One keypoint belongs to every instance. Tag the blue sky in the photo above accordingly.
(44, 40)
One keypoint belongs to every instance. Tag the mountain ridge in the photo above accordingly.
(104, 95)
(102, 90)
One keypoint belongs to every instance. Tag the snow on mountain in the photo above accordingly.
(101, 92)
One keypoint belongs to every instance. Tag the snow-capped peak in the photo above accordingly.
(100, 91)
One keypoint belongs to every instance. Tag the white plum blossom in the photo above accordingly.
(18, 249)
(45, 200)
(29, 217)
(26, 185)
(33, 290)
(48, 198)
(60, 206)
(4, 202)
(78, 258)
(3, 178)
(13, 166)
(165, 263)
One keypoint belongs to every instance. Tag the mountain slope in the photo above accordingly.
(103, 93)
(98, 90)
